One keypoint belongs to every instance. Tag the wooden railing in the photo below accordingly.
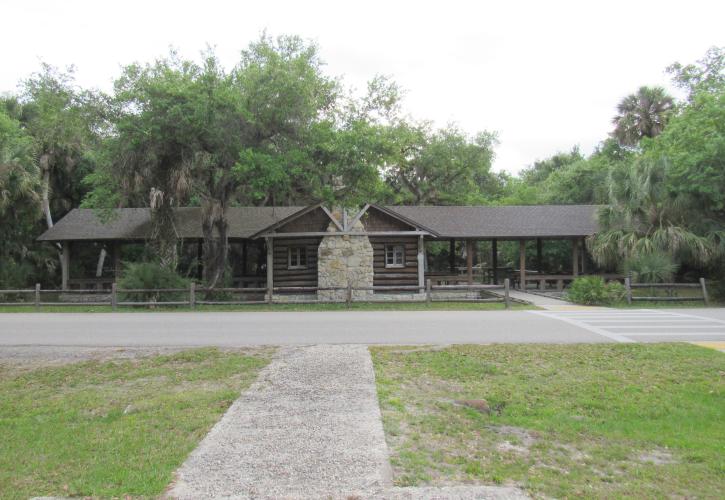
(671, 288)
(194, 296)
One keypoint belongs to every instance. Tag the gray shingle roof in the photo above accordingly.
(548, 221)
(135, 223)
(511, 221)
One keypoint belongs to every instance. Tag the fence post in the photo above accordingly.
(348, 299)
(37, 295)
(506, 296)
(628, 287)
(192, 295)
(428, 287)
(704, 292)
(114, 297)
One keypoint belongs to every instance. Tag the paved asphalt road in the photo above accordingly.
(389, 327)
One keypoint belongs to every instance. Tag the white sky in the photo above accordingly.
(545, 75)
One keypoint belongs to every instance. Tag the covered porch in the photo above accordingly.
(479, 261)
(97, 265)
(536, 247)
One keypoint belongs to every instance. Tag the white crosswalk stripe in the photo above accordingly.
(641, 324)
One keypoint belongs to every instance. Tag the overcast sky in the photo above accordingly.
(545, 75)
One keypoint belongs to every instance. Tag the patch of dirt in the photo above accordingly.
(525, 436)
(573, 452)
(426, 348)
(480, 405)
(508, 447)
(28, 358)
(657, 457)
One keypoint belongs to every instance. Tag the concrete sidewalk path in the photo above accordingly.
(310, 427)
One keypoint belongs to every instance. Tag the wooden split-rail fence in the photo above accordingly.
(194, 295)
(670, 288)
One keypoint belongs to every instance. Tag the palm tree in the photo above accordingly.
(643, 114)
(644, 219)
(18, 174)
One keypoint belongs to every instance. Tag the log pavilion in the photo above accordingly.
(314, 247)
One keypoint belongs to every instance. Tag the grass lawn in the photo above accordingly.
(606, 421)
(113, 428)
(359, 306)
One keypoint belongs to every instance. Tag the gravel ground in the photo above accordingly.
(310, 427)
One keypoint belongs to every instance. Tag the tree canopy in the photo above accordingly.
(277, 129)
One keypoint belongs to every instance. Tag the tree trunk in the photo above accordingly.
(45, 196)
(101, 261)
(216, 245)
(165, 236)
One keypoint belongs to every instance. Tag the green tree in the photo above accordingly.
(694, 145)
(542, 169)
(643, 114)
(65, 124)
(146, 161)
(584, 181)
(644, 218)
(707, 75)
(443, 166)
(19, 207)
(271, 131)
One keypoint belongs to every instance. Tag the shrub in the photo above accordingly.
(650, 268)
(616, 292)
(151, 275)
(593, 290)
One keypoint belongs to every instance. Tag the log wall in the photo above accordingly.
(295, 277)
(407, 275)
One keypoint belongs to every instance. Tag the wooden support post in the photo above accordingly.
(494, 260)
(583, 256)
(114, 296)
(37, 295)
(469, 261)
(628, 288)
(506, 295)
(428, 291)
(200, 260)
(192, 295)
(522, 264)
(705, 297)
(421, 263)
(539, 255)
(65, 265)
(575, 257)
(244, 258)
(452, 255)
(270, 269)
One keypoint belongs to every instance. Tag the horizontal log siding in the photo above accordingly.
(407, 275)
(295, 277)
